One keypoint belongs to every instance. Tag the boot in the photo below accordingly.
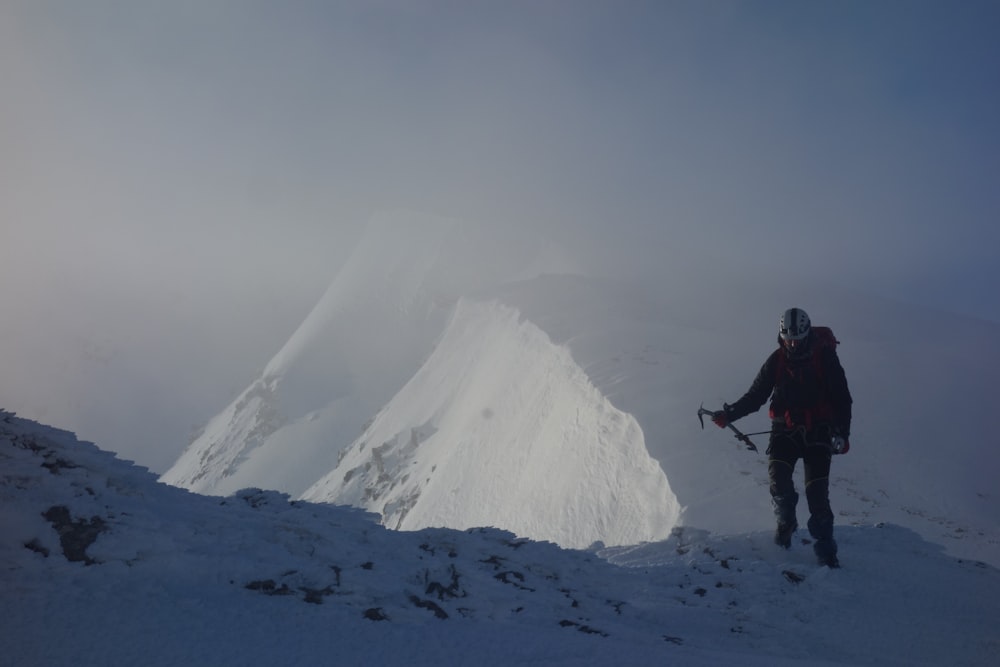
(826, 553)
(825, 547)
(783, 534)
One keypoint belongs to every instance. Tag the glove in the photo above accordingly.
(720, 418)
(839, 444)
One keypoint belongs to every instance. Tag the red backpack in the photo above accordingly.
(822, 340)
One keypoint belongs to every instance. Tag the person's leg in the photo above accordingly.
(783, 452)
(816, 464)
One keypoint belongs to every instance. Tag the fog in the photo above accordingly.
(179, 182)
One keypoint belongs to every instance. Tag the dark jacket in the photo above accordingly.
(808, 390)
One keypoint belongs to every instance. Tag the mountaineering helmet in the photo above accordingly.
(794, 326)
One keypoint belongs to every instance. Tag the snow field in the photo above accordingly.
(257, 579)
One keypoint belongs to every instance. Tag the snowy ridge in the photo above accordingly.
(501, 427)
(363, 340)
(103, 566)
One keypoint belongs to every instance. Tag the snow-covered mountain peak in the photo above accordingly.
(387, 304)
(364, 339)
(501, 427)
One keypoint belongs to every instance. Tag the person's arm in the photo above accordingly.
(758, 393)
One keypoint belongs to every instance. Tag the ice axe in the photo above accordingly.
(702, 412)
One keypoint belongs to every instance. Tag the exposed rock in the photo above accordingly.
(75, 536)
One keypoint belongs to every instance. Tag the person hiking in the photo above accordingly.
(811, 420)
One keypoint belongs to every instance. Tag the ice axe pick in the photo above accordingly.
(702, 412)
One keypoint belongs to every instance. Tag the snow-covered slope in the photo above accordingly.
(101, 566)
(500, 427)
(923, 452)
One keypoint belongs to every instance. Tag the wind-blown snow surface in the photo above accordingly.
(388, 363)
(102, 565)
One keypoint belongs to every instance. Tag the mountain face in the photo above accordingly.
(452, 378)
(364, 339)
(501, 427)
(474, 416)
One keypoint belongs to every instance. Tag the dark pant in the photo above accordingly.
(784, 451)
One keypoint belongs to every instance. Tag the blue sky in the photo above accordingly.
(180, 181)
